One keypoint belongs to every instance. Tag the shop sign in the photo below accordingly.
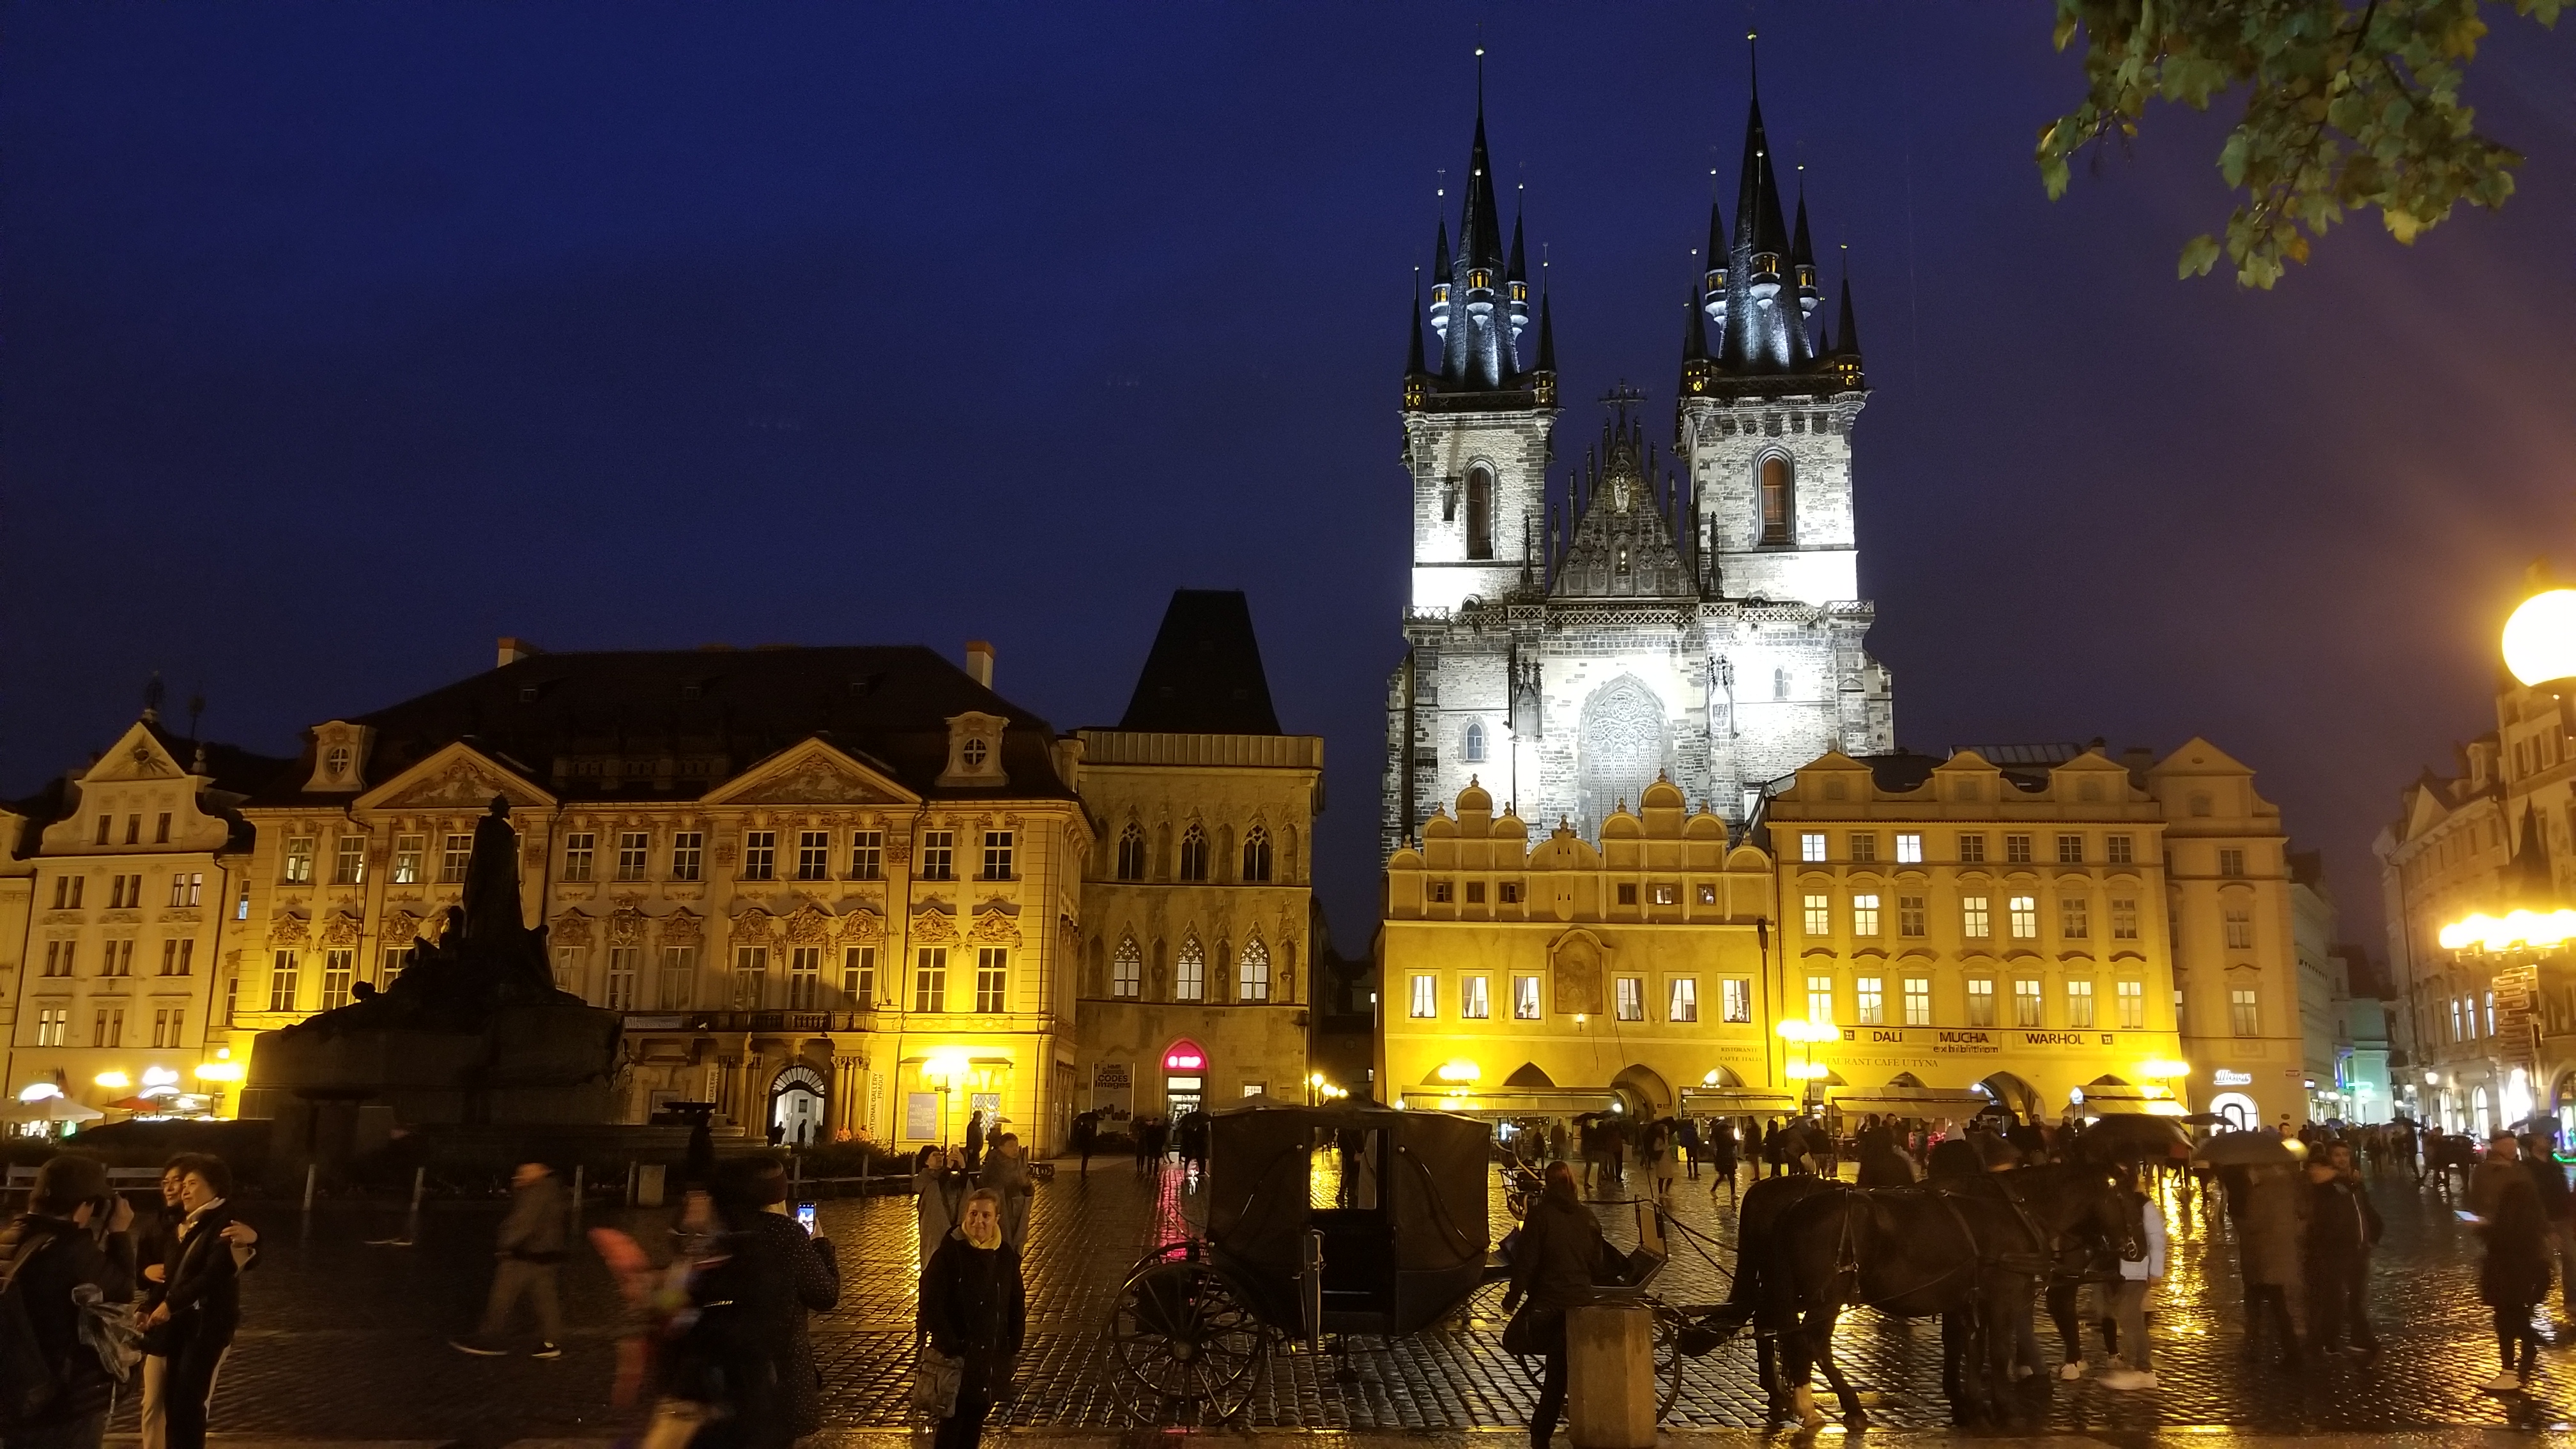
(1185, 1056)
(2229, 1077)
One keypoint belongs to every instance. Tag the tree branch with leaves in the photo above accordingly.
(2349, 107)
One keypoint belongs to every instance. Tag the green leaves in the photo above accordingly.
(2350, 105)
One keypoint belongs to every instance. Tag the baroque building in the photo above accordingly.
(1197, 910)
(1568, 646)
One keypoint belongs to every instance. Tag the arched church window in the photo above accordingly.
(1131, 853)
(1779, 684)
(1194, 854)
(1256, 854)
(1252, 979)
(1126, 969)
(1777, 501)
(1473, 748)
(1480, 514)
(1189, 982)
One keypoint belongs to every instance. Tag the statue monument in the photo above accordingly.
(473, 1033)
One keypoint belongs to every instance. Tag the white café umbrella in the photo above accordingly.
(51, 1109)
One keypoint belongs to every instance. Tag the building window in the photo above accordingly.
(2024, 916)
(1911, 917)
(578, 852)
(1973, 920)
(58, 957)
(1909, 847)
(867, 855)
(688, 854)
(1512, 892)
(2231, 862)
(1707, 894)
(859, 977)
(1819, 912)
(992, 980)
(339, 969)
(1189, 979)
(2026, 1009)
(51, 1024)
(299, 860)
(161, 829)
(134, 829)
(1525, 999)
(1972, 849)
(1779, 684)
(2074, 918)
(394, 961)
(2121, 850)
(2132, 997)
(1441, 892)
(1475, 893)
(568, 969)
(1131, 853)
(1480, 514)
(408, 850)
(1864, 847)
(622, 973)
(998, 852)
(2124, 919)
(1256, 856)
(2070, 850)
(1811, 845)
(1777, 504)
(2242, 1015)
(938, 855)
(1869, 1000)
(1473, 1004)
(2490, 1005)
(2016, 849)
(930, 979)
(349, 862)
(170, 1027)
(631, 848)
(1632, 998)
(2240, 928)
(187, 888)
(1865, 916)
(2455, 1019)
(1735, 994)
(108, 1029)
(1685, 1000)
(759, 855)
(1820, 1000)
(1918, 1001)
(106, 824)
(804, 978)
(118, 960)
(1472, 748)
(1194, 854)
(1425, 1001)
(1667, 894)
(813, 855)
(282, 968)
(455, 853)
(1127, 970)
(1981, 1002)
(679, 977)
(1252, 973)
(750, 977)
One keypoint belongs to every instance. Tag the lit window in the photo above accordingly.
(930, 979)
(1910, 917)
(1869, 1000)
(187, 888)
(1972, 849)
(939, 855)
(1194, 854)
(1811, 845)
(299, 860)
(1736, 995)
(1189, 982)
(1909, 847)
(2124, 919)
(282, 970)
(2024, 916)
(1473, 1005)
(859, 976)
(50, 1025)
(1525, 999)
(349, 862)
(1981, 1002)
(998, 851)
(2240, 927)
(1918, 1001)
(1778, 507)
(2133, 1005)
(1632, 998)
(1973, 920)
(632, 846)
(622, 975)
(2016, 849)
(760, 855)
(2026, 1009)
(339, 969)
(455, 853)
(1667, 894)
(1426, 996)
(1864, 847)
(804, 978)
(1472, 749)
(750, 977)
(2070, 850)
(394, 961)
(1865, 916)
(679, 977)
(2079, 1004)
(1820, 999)
(1127, 969)
(2121, 850)
(992, 980)
(688, 854)
(1819, 910)
(813, 855)
(2244, 1018)
(867, 855)
(1252, 973)
(2074, 918)
(1685, 1002)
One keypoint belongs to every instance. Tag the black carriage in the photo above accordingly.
(1344, 1219)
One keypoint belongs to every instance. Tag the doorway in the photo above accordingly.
(797, 1100)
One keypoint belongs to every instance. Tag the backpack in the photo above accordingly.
(30, 1382)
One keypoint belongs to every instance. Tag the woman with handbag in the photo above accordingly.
(976, 1310)
(1560, 1256)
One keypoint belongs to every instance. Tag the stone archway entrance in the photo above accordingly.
(798, 1099)
(2012, 1092)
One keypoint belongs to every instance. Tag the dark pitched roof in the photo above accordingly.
(1204, 674)
(561, 719)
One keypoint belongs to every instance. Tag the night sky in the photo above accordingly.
(336, 341)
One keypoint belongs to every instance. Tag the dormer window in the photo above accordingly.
(339, 756)
(975, 750)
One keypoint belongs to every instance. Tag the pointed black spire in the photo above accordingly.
(1547, 334)
(1413, 331)
(1516, 271)
(1440, 252)
(1480, 226)
(1694, 333)
(1848, 343)
(1801, 253)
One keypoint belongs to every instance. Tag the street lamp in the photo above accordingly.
(946, 1068)
(1804, 1034)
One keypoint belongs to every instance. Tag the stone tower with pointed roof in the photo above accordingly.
(1570, 643)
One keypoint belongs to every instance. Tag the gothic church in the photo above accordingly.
(1568, 644)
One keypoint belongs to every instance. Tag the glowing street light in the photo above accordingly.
(2540, 638)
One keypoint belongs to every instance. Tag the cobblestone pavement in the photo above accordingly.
(344, 1339)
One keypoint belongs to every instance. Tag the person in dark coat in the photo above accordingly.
(1774, 1162)
(61, 1243)
(1720, 1139)
(2268, 1252)
(1686, 1136)
(801, 1276)
(1086, 1136)
(2515, 1276)
(200, 1305)
(976, 1307)
(2557, 1206)
(975, 1140)
(1555, 1264)
(531, 1250)
(1883, 1162)
(720, 1360)
(2342, 1228)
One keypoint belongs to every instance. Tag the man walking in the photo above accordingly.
(531, 1253)
(58, 1245)
(2342, 1227)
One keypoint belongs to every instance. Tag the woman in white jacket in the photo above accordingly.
(2129, 1305)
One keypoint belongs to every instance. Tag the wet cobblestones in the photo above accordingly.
(345, 1340)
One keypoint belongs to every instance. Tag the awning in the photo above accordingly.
(1909, 1101)
(1512, 1101)
(1736, 1101)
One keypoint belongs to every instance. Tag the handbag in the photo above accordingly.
(1533, 1331)
(935, 1380)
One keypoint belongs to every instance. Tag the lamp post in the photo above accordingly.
(944, 1068)
(1803, 1034)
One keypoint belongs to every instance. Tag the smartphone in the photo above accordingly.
(805, 1216)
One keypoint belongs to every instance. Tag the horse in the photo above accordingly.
(1966, 1248)
(1762, 1295)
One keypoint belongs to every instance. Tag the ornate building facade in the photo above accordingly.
(1568, 646)
(1197, 910)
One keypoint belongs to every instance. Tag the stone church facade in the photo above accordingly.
(1697, 620)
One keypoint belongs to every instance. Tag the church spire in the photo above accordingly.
(1413, 331)
(1481, 303)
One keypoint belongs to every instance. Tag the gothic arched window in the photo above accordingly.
(1252, 972)
(1131, 853)
(1126, 969)
(1778, 501)
(1256, 854)
(1480, 514)
(1472, 749)
(1189, 982)
(1194, 854)
(1779, 684)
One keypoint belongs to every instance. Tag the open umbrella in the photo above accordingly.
(2131, 1134)
(51, 1109)
(2204, 1119)
(2244, 1149)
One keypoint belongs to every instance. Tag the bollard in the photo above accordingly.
(310, 1171)
(1610, 1398)
(576, 1194)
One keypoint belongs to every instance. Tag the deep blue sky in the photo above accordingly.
(337, 340)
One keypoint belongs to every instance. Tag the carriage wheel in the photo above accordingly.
(1669, 1359)
(1481, 1318)
(1182, 1335)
